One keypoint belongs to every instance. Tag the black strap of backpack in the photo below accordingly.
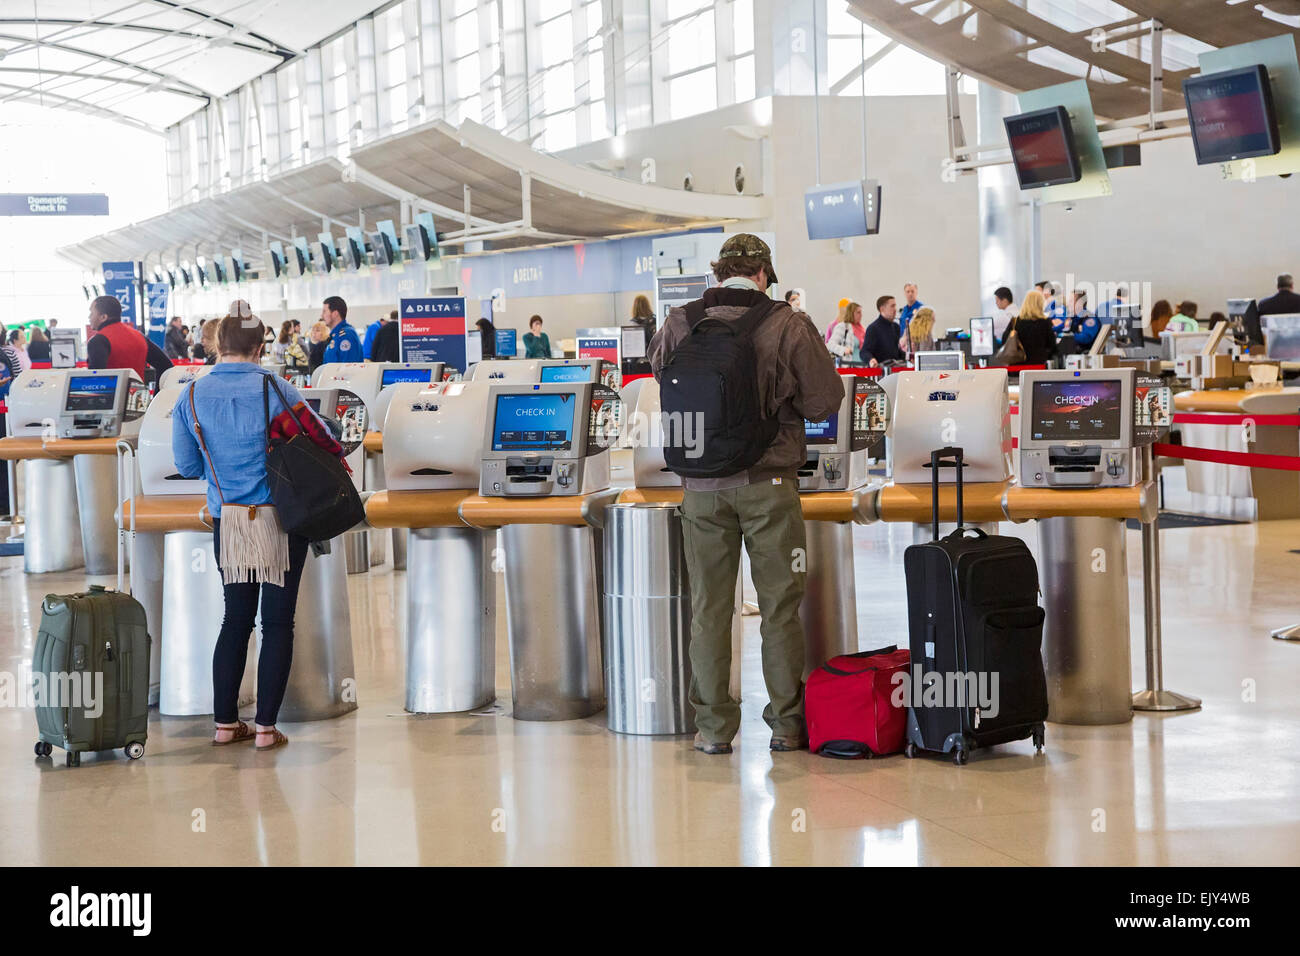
(696, 312)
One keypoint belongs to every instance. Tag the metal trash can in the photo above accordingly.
(647, 617)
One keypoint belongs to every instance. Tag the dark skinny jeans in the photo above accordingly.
(231, 655)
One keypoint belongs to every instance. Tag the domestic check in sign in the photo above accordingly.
(433, 329)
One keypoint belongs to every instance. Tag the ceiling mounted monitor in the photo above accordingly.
(382, 248)
(276, 251)
(1231, 115)
(1042, 148)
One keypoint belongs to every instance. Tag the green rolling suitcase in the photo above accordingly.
(90, 674)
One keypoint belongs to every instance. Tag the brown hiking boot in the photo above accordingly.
(709, 747)
(786, 744)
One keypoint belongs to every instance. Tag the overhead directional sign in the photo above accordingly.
(843, 209)
(53, 204)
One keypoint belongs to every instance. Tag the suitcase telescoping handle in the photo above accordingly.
(948, 457)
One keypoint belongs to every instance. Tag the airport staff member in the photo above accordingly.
(372, 330)
(912, 304)
(387, 346)
(1284, 301)
(797, 381)
(117, 345)
(343, 345)
(880, 343)
(1004, 312)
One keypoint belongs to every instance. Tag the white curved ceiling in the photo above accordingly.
(150, 63)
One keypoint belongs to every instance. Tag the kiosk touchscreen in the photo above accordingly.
(432, 436)
(101, 403)
(543, 371)
(1076, 428)
(946, 361)
(548, 439)
(839, 446)
(936, 409)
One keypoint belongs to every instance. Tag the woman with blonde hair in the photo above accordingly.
(847, 333)
(919, 336)
(319, 336)
(1030, 339)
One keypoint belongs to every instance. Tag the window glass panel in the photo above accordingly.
(467, 75)
(551, 8)
(561, 132)
(742, 26)
(694, 93)
(599, 128)
(595, 75)
(557, 41)
(690, 43)
(744, 72)
(464, 34)
(679, 8)
(557, 88)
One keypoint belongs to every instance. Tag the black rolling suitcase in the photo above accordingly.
(90, 671)
(972, 609)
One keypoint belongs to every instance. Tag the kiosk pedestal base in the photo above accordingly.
(374, 481)
(1084, 574)
(647, 622)
(97, 502)
(451, 620)
(322, 681)
(830, 605)
(356, 547)
(553, 621)
(400, 538)
(146, 560)
(52, 537)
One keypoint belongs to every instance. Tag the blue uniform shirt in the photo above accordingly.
(906, 312)
(344, 346)
(368, 342)
(1086, 328)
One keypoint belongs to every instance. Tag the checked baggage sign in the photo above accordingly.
(433, 330)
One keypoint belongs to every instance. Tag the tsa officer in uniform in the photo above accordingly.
(344, 345)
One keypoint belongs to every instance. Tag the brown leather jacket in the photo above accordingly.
(795, 372)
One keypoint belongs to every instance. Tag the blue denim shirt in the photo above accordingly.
(229, 403)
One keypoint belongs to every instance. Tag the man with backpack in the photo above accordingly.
(741, 373)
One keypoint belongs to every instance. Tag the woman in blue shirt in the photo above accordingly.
(256, 557)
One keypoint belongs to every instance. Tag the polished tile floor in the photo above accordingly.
(1218, 787)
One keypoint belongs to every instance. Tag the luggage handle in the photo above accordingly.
(839, 673)
(948, 457)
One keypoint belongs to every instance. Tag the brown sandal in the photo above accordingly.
(240, 732)
(280, 739)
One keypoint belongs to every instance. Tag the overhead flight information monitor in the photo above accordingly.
(1042, 148)
(1231, 115)
(1076, 428)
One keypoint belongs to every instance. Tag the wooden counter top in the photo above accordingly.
(162, 513)
(373, 443)
(576, 510)
(21, 448)
(1140, 501)
(981, 501)
(416, 509)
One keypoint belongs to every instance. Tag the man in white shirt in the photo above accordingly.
(1004, 312)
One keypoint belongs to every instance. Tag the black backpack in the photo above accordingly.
(711, 379)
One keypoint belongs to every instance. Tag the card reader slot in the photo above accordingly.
(520, 470)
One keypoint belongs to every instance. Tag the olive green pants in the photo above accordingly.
(768, 519)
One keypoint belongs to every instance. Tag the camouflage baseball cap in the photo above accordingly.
(749, 246)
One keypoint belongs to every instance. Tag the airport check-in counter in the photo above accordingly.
(174, 575)
(373, 383)
(64, 424)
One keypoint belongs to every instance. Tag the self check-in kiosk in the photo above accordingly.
(937, 409)
(546, 446)
(65, 425)
(838, 448)
(348, 417)
(546, 371)
(174, 575)
(432, 436)
(1076, 428)
(180, 374)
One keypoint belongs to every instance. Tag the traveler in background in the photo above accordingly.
(1034, 330)
(794, 299)
(174, 343)
(208, 341)
(1216, 318)
(16, 351)
(1053, 307)
(1284, 301)
(536, 344)
(261, 565)
(1161, 313)
(919, 336)
(387, 346)
(487, 334)
(53, 324)
(643, 314)
(911, 304)
(1004, 311)
(280, 348)
(343, 345)
(848, 333)
(367, 343)
(1185, 320)
(320, 340)
(302, 339)
(880, 343)
(840, 308)
(759, 507)
(38, 346)
(1083, 325)
(114, 344)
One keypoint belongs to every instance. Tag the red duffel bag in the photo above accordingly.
(848, 707)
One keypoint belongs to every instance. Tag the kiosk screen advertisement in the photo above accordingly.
(399, 376)
(981, 336)
(1042, 148)
(350, 413)
(1152, 409)
(870, 414)
(91, 393)
(603, 345)
(822, 433)
(433, 329)
(606, 422)
(1077, 411)
(507, 343)
(1231, 115)
(534, 421)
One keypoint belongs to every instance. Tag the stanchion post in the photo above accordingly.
(1155, 698)
(12, 467)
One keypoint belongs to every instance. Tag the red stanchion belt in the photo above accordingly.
(1247, 459)
(1194, 418)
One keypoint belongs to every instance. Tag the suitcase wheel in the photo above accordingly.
(43, 749)
(1040, 734)
(135, 750)
(909, 750)
(72, 760)
(960, 755)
